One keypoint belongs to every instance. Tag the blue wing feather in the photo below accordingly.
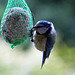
(46, 53)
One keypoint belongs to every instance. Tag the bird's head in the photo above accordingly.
(43, 27)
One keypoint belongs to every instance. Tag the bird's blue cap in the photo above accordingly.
(44, 23)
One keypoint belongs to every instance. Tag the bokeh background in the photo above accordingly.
(25, 59)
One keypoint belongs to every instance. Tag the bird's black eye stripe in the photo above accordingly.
(38, 26)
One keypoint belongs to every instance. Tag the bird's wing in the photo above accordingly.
(47, 51)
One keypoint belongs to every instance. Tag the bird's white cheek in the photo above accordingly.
(52, 31)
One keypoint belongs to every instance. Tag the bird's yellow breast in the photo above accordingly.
(40, 42)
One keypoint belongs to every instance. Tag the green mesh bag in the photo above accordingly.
(16, 22)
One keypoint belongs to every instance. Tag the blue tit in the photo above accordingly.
(44, 37)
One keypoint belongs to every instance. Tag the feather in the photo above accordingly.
(46, 53)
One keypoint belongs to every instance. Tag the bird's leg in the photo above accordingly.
(31, 33)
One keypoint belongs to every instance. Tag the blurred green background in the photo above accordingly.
(25, 59)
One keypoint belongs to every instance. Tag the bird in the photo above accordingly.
(43, 36)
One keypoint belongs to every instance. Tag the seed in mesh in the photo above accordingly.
(16, 26)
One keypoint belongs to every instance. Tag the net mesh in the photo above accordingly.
(16, 22)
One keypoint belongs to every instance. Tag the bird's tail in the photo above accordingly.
(45, 55)
(43, 60)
